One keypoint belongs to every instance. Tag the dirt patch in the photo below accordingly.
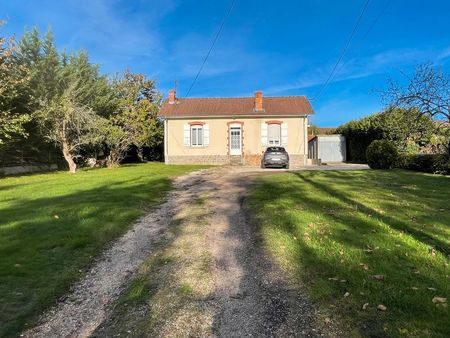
(90, 301)
(195, 267)
(253, 296)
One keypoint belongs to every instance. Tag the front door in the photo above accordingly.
(235, 139)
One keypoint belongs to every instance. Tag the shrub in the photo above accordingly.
(381, 154)
(428, 163)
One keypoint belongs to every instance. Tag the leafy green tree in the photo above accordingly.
(428, 91)
(67, 93)
(408, 129)
(313, 129)
(69, 123)
(135, 120)
(14, 78)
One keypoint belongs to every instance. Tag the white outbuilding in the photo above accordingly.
(327, 148)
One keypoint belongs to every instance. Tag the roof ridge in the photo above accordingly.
(238, 97)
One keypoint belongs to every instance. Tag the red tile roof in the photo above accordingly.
(239, 106)
(442, 123)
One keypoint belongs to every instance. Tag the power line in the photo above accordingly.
(230, 9)
(344, 50)
(380, 14)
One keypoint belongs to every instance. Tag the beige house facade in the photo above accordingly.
(221, 131)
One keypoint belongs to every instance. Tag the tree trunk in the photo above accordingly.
(113, 159)
(140, 153)
(68, 158)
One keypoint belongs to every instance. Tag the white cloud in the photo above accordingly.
(355, 68)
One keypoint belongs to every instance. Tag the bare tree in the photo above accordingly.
(428, 91)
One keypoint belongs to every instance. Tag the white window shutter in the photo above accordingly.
(187, 135)
(264, 134)
(206, 135)
(284, 134)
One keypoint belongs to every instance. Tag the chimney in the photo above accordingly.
(172, 93)
(258, 101)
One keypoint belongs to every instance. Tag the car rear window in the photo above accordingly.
(275, 149)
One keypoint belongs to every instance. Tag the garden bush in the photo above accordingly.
(381, 154)
(428, 163)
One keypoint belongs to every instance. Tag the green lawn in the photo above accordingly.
(52, 225)
(334, 231)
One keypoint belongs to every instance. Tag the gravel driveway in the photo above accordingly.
(251, 296)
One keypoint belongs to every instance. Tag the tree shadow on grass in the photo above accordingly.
(392, 221)
(316, 258)
(45, 243)
(163, 297)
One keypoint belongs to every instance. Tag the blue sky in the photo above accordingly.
(280, 47)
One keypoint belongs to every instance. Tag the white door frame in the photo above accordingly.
(235, 127)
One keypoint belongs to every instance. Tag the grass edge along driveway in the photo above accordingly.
(53, 225)
(362, 239)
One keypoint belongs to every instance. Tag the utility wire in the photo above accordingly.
(344, 50)
(380, 14)
(230, 9)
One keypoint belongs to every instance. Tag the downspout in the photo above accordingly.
(305, 161)
(166, 142)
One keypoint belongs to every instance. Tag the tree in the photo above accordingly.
(13, 80)
(68, 95)
(135, 120)
(428, 91)
(313, 129)
(117, 139)
(69, 124)
(406, 128)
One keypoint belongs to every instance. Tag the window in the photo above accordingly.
(274, 134)
(196, 135)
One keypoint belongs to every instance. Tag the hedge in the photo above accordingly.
(428, 163)
(381, 154)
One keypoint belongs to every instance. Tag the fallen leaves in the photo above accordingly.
(381, 307)
(439, 300)
(346, 294)
(378, 277)
(370, 248)
(364, 266)
(365, 306)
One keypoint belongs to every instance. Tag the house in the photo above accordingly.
(234, 130)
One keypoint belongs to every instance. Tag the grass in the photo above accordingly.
(166, 297)
(334, 231)
(53, 225)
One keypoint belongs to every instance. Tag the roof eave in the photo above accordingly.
(235, 115)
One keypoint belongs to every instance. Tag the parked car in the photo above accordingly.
(275, 157)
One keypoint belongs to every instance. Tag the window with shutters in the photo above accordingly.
(274, 134)
(197, 135)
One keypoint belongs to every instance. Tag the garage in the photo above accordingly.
(327, 148)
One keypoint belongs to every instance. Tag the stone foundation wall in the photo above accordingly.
(252, 160)
(25, 169)
(199, 159)
(296, 160)
(248, 160)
